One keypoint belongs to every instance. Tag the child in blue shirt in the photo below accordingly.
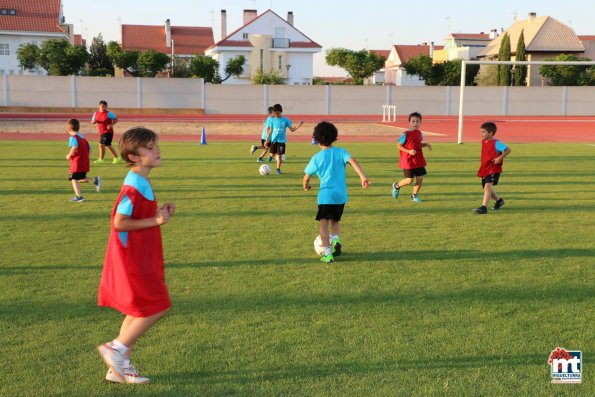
(263, 139)
(329, 165)
(276, 134)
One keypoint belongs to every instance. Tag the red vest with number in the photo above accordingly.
(80, 161)
(488, 154)
(413, 140)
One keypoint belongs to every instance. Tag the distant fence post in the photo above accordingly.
(505, 101)
(448, 96)
(203, 95)
(328, 99)
(564, 100)
(5, 89)
(139, 93)
(388, 99)
(73, 91)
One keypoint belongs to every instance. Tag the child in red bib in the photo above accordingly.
(78, 157)
(411, 157)
(492, 155)
(133, 279)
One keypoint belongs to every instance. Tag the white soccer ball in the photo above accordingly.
(264, 169)
(318, 247)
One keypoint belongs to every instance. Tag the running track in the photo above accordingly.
(519, 129)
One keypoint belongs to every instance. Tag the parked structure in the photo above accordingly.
(30, 21)
(269, 43)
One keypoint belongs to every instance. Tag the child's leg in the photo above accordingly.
(133, 327)
(418, 181)
(264, 151)
(279, 160)
(324, 235)
(405, 182)
(76, 186)
(112, 151)
(488, 192)
(334, 227)
(101, 151)
(494, 195)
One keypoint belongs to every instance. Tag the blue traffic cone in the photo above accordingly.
(203, 136)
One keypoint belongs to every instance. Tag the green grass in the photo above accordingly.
(428, 300)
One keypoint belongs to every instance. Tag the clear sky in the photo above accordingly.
(374, 24)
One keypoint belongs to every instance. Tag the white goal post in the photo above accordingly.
(464, 72)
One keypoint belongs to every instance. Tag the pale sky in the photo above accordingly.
(374, 24)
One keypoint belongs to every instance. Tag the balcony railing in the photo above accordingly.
(280, 43)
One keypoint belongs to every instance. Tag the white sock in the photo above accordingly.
(333, 236)
(327, 251)
(119, 346)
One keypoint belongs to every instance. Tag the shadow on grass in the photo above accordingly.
(316, 371)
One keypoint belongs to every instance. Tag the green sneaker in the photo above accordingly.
(99, 161)
(336, 247)
(327, 258)
(117, 160)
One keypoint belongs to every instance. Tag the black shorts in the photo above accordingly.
(106, 139)
(492, 178)
(77, 176)
(411, 172)
(330, 211)
(278, 148)
(262, 141)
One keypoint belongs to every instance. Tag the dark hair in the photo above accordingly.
(325, 133)
(489, 127)
(74, 124)
(414, 114)
(278, 108)
(102, 102)
(271, 109)
(133, 139)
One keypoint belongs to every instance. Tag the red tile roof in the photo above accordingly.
(382, 53)
(31, 16)
(406, 52)
(471, 36)
(188, 40)
(586, 37)
(78, 40)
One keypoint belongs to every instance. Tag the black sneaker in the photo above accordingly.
(498, 204)
(481, 210)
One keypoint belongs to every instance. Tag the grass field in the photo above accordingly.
(427, 300)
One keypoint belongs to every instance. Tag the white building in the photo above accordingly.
(269, 43)
(29, 21)
(394, 67)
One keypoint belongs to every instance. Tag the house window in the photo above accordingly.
(245, 36)
(262, 60)
(280, 62)
(4, 49)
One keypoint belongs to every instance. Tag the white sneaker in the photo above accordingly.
(131, 375)
(113, 359)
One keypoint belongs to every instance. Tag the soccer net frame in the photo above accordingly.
(464, 64)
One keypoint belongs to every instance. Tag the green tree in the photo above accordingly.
(151, 62)
(504, 55)
(99, 62)
(487, 76)
(273, 77)
(28, 56)
(180, 67)
(358, 64)
(520, 71)
(59, 58)
(125, 60)
(562, 75)
(234, 67)
(205, 67)
(447, 73)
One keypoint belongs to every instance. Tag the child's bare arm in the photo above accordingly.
(71, 153)
(306, 183)
(360, 172)
(426, 144)
(505, 153)
(294, 129)
(404, 149)
(123, 223)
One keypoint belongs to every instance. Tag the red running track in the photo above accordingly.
(520, 129)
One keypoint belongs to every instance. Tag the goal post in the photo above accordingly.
(464, 64)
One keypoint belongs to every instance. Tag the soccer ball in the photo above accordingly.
(318, 247)
(264, 169)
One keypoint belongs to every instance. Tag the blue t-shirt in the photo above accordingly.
(279, 127)
(329, 165)
(267, 124)
(72, 142)
(500, 147)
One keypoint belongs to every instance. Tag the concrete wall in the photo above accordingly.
(175, 95)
